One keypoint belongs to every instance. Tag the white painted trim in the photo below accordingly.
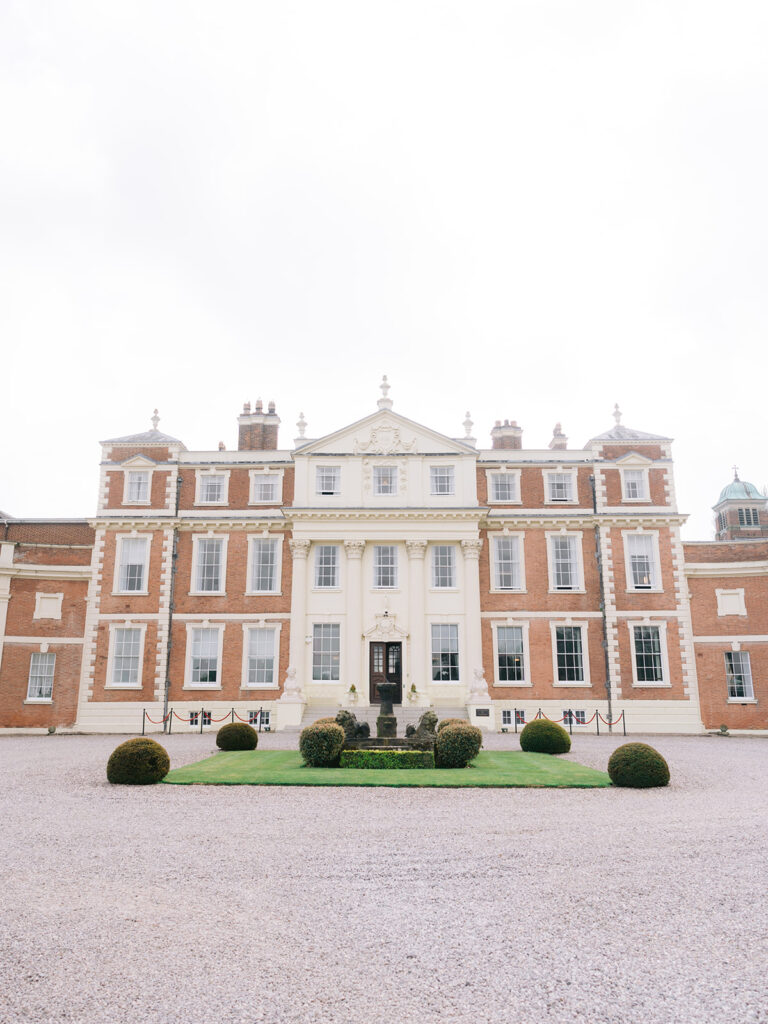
(583, 625)
(658, 588)
(188, 684)
(526, 681)
(503, 535)
(39, 598)
(503, 470)
(134, 466)
(196, 538)
(119, 538)
(728, 638)
(560, 470)
(661, 625)
(209, 472)
(635, 466)
(578, 534)
(726, 568)
(262, 471)
(722, 598)
(278, 538)
(275, 628)
(113, 627)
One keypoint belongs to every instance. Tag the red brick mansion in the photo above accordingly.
(503, 580)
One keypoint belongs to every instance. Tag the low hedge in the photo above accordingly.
(324, 721)
(138, 762)
(457, 745)
(638, 766)
(451, 721)
(320, 745)
(544, 737)
(387, 759)
(237, 736)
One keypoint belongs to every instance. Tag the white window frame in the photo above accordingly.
(203, 474)
(583, 625)
(326, 622)
(196, 538)
(395, 472)
(646, 495)
(736, 649)
(253, 478)
(526, 681)
(661, 625)
(316, 549)
(439, 469)
(273, 627)
(657, 587)
(322, 469)
(278, 540)
(578, 534)
(432, 574)
(44, 650)
(567, 471)
(508, 535)
(188, 684)
(47, 606)
(748, 512)
(459, 643)
(119, 538)
(113, 627)
(732, 597)
(503, 471)
(127, 470)
(396, 584)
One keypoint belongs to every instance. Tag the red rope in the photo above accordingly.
(590, 720)
(220, 719)
(614, 722)
(242, 719)
(161, 720)
(187, 721)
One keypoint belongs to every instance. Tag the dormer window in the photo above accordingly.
(137, 487)
(328, 480)
(635, 485)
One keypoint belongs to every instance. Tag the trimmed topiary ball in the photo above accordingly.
(451, 721)
(544, 737)
(320, 745)
(457, 745)
(138, 762)
(324, 721)
(638, 766)
(237, 736)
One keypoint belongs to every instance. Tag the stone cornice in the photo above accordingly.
(46, 572)
(386, 514)
(758, 568)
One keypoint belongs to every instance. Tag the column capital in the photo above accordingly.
(354, 548)
(471, 548)
(416, 548)
(299, 548)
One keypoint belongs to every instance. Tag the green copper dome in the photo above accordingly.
(739, 490)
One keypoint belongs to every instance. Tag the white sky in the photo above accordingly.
(525, 209)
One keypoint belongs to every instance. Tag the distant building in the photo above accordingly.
(501, 581)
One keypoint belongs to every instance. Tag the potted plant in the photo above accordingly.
(352, 694)
(413, 694)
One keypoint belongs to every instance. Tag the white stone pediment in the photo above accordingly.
(386, 628)
(386, 433)
(633, 458)
(138, 462)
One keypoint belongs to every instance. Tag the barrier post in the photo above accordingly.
(515, 713)
(232, 715)
(597, 721)
(570, 721)
(201, 720)
(143, 719)
(538, 713)
(261, 716)
(170, 721)
(624, 722)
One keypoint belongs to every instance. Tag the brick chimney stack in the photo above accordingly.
(559, 441)
(507, 435)
(258, 429)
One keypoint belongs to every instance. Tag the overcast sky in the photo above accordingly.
(525, 209)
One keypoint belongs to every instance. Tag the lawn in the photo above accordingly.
(496, 768)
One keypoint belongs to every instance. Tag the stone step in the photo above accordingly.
(406, 714)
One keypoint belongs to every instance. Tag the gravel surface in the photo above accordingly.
(226, 904)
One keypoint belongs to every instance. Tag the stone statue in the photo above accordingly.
(353, 730)
(426, 729)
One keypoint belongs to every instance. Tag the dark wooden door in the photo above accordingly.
(386, 665)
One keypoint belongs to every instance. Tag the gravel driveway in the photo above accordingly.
(220, 904)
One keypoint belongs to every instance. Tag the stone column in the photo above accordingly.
(417, 626)
(354, 607)
(477, 688)
(299, 551)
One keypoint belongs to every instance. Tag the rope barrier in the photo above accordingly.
(614, 722)
(186, 721)
(161, 720)
(221, 719)
(242, 719)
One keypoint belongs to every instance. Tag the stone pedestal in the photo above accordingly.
(386, 725)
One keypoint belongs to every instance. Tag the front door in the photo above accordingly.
(386, 661)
